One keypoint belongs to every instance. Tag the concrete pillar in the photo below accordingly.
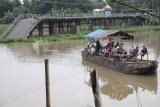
(50, 28)
(55, 30)
(90, 27)
(73, 27)
(62, 26)
(40, 29)
(67, 27)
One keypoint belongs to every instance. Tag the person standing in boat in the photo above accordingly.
(143, 51)
(98, 46)
(136, 50)
(117, 45)
(111, 43)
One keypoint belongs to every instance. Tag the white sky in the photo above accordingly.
(21, 1)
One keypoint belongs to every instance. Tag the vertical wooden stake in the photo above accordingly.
(95, 88)
(47, 83)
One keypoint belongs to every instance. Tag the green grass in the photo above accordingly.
(3, 27)
(44, 38)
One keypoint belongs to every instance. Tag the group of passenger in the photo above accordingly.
(116, 51)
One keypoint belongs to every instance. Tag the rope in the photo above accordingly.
(139, 99)
(143, 11)
(139, 103)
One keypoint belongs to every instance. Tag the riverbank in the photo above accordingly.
(47, 38)
(136, 29)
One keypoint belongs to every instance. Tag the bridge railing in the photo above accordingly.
(82, 15)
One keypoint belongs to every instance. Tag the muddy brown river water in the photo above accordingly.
(22, 82)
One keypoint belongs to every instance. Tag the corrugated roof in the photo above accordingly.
(108, 33)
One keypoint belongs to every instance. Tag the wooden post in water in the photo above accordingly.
(47, 83)
(95, 88)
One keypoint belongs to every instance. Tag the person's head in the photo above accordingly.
(93, 40)
(110, 39)
(143, 46)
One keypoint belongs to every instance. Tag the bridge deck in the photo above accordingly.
(22, 27)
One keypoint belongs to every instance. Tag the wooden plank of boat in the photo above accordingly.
(128, 67)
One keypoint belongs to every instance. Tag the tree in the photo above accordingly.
(65, 11)
(42, 7)
(157, 6)
(16, 3)
(8, 17)
(27, 4)
(5, 6)
(20, 10)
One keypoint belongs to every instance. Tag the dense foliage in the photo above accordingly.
(9, 9)
(142, 4)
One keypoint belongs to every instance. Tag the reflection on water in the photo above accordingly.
(37, 52)
(118, 86)
(22, 76)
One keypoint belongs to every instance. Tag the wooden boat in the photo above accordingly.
(127, 66)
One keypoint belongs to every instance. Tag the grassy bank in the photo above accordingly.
(45, 38)
(3, 28)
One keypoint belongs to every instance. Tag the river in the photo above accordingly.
(22, 76)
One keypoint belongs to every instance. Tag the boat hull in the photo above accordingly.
(129, 67)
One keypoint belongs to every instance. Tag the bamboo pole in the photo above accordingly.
(47, 83)
(136, 8)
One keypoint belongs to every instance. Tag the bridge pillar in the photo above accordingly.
(50, 28)
(73, 28)
(90, 27)
(67, 27)
(60, 27)
(106, 25)
(55, 30)
(40, 28)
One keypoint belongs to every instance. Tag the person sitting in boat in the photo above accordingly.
(134, 51)
(143, 51)
(117, 45)
(106, 51)
(98, 47)
(90, 46)
(121, 52)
